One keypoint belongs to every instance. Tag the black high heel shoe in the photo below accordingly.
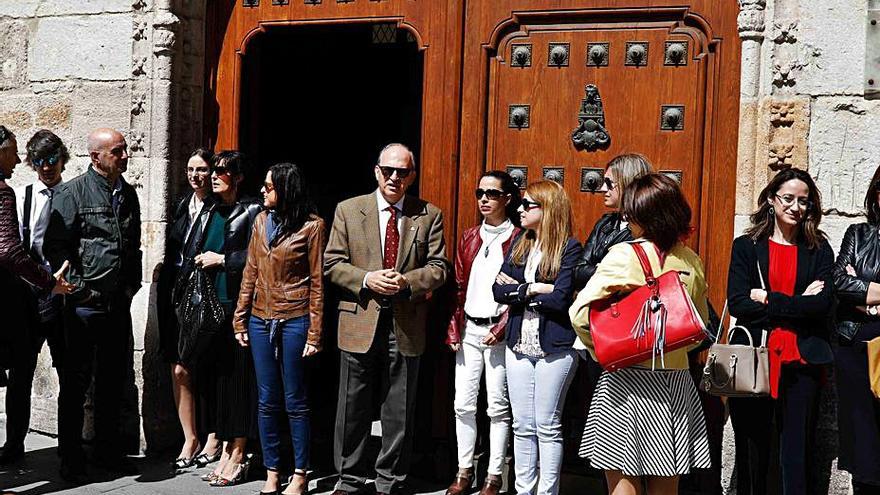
(182, 463)
(205, 459)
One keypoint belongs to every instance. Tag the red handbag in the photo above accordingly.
(657, 317)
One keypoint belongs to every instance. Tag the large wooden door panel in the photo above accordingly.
(705, 86)
(633, 97)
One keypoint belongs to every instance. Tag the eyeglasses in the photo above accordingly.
(49, 160)
(268, 186)
(529, 205)
(609, 184)
(220, 170)
(492, 194)
(789, 199)
(387, 172)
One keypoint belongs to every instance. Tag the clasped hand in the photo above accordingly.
(209, 259)
(387, 282)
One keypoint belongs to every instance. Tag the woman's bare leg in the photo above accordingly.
(620, 484)
(186, 409)
(663, 485)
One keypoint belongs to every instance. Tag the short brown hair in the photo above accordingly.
(655, 203)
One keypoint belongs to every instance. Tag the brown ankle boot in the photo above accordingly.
(492, 485)
(462, 483)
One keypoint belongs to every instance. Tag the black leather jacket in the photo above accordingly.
(235, 245)
(861, 250)
(606, 233)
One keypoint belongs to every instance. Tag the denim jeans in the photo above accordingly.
(537, 389)
(277, 347)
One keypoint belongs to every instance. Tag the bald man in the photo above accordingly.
(96, 224)
(386, 253)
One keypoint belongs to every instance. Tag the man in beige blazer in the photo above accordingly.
(386, 252)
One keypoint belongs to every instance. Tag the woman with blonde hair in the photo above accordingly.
(536, 282)
(646, 423)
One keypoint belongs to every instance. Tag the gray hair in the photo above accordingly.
(388, 147)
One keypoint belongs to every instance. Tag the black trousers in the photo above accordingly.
(21, 375)
(383, 370)
(795, 412)
(96, 341)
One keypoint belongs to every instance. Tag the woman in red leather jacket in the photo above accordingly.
(476, 329)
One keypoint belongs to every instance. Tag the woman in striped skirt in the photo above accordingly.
(645, 423)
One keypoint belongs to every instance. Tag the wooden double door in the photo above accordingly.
(543, 89)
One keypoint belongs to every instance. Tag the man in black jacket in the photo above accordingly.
(95, 223)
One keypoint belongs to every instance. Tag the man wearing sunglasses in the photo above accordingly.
(46, 154)
(96, 224)
(386, 252)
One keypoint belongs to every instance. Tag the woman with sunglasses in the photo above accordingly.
(780, 281)
(279, 314)
(476, 330)
(857, 280)
(536, 282)
(645, 426)
(177, 350)
(227, 391)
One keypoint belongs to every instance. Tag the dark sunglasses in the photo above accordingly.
(50, 160)
(492, 194)
(220, 170)
(268, 186)
(529, 205)
(609, 184)
(387, 172)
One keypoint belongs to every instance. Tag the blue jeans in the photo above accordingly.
(278, 364)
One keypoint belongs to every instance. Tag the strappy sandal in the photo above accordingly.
(203, 460)
(182, 463)
(239, 477)
(301, 488)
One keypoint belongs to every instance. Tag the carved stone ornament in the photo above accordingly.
(556, 174)
(780, 156)
(590, 133)
(519, 174)
(164, 37)
(782, 113)
(750, 20)
(139, 66)
(785, 31)
(138, 103)
(140, 30)
(521, 55)
(139, 5)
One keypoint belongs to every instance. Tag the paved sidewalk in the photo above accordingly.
(38, 474)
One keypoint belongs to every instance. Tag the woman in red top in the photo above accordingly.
(780, 282)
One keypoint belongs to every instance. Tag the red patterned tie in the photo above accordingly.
(392, 240)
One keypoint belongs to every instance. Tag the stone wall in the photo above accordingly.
(803, 105)
(133, 65)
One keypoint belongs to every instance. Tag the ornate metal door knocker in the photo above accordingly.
(590, 133)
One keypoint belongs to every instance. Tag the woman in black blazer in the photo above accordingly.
(780, 282)
(856, 277)
(536, 282)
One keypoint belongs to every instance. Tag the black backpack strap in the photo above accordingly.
(26, 217)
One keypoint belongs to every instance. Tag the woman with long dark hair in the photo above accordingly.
(279, 315)
(857, 279)
(646, 424)
(536, 282)
(476, 330)
(780, 281)
(226, 376)
(180, 353)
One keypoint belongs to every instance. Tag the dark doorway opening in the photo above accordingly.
(328, 98)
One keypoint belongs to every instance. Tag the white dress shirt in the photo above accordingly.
(39, 201)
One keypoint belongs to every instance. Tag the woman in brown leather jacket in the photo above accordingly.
(279, 314)
(476, 330)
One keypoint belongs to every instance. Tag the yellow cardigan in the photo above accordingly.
(620, 272)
